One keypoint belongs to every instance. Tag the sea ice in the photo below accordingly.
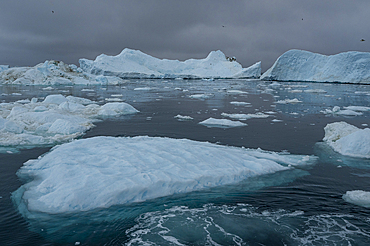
(358, 197)
(299, 65)
(348, 140)
(56, 119)
(103, 171)
(183, 117)
(346, 112)
(286, 101)
(246, 116)
(221, 123)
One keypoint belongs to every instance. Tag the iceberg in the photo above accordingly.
(300, 65)
(52, 73)
(348, 140)
(358, 197)
(56, 119)
(135, 64)
(221, 123)
(100, 172)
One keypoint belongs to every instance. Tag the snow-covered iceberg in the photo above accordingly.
(103, 171)
(52, 73)
(56, 119)
(348, 140)
(299, 65)
(136, 64)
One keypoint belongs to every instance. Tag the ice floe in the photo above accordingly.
(183, 117)
(348, 140)
(221, 123)
(103, 171)
(240, 103)
(286, 101)
(349, 111)
(358, 197)
(55, 119)
(258, 115)
(299, 65)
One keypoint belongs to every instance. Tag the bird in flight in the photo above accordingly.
(362, 40)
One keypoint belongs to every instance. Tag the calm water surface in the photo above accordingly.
(303, 206)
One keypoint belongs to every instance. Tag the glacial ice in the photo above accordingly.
(103, 171)
(136, 64)
(358, 197)
(347, 139)
(56, 119)
(299, 65)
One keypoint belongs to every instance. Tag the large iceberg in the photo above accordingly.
(348, 140)
(299, 65)
(136, 64)
(103, 171)
(56, 119)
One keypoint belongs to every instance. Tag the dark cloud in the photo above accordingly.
(252, 30)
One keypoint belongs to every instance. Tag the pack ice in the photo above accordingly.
(136, 64)
(348, 140)
(103, 171)
(56, 119)
(300, 65)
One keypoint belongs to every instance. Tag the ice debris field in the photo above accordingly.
(118, 170)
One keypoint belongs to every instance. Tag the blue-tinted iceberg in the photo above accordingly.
(104, 171)
(299, 65)
(348, 140)
(136, 64)
(56, 119)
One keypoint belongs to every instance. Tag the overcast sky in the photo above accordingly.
(32, 31)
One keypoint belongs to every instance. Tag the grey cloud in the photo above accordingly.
(251, 30)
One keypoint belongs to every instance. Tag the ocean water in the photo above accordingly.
(303, 206)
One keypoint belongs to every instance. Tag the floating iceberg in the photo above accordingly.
(348, 140)
(348, 111)
(221, 123)
(257, 115)
(136, 64)
(103, 171)
(299, 65)
(358, 197)
(56, 119)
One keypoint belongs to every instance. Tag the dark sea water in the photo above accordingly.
(302, 206)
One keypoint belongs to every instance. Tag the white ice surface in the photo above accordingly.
(349, 111)
(104, 171)
(358, 197)
(246, 116)
(286, 101)
(221, 123)
(299, 65)
(348, 140)
(56, 119)
(136, 64)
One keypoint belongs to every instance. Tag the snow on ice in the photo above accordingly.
(136, 64)
(299, 65)
(348, 140)
(221, 123)
(103, 171)
(56, 119)
(358, 197)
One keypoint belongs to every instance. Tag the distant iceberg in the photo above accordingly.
(136, 64)
(101, 172)
(348, 140)
(299, 65)
(56, 119)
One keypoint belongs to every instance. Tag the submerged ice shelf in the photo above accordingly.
(104, 171)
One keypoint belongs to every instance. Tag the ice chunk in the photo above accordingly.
(286, 101)
(240, 103)
(299, 65)
(358, 108)
(358, 197)
(183, 117)
(245, 116)
(104, 171)
(337, 111)
(348, 140)
(221, 123)
(54, 120)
